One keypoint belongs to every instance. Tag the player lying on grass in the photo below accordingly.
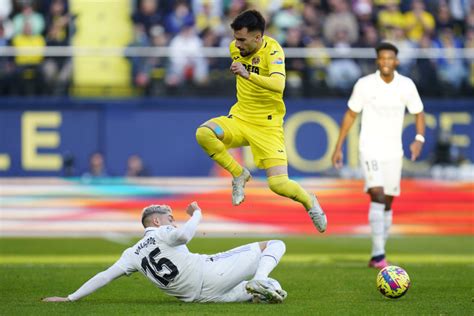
(163, 257)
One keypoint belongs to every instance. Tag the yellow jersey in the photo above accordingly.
(36, 41)
(255, 104)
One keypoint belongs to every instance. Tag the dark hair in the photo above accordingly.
(386, 46)
(251, 19)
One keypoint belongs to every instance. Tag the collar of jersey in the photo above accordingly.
(395, 77)
(149, 229)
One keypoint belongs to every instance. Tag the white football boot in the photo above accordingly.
(317, 215)
(263, 291)
(238, 185)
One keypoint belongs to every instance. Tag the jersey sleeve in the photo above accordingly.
(179, 236)
(413, 101)
(276, 60)
(125, 263)
(99, 280)
(356, 101)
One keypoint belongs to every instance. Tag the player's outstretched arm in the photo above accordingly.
(346, 124)
(185, 233)
(96, 282)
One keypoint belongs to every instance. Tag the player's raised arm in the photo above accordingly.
(346, 124)
(96, 282)
(185, 233)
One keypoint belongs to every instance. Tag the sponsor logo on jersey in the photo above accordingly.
(253, 69)
(236, 57)
(278, 61)
(273, 53)
(255, 60)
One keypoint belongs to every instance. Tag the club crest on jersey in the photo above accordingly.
(255, 61)
(278, 61)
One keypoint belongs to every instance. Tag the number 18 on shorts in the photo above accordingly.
(382, 173)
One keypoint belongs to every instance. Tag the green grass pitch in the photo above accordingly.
(323, 276)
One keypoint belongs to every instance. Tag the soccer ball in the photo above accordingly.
(393, 281)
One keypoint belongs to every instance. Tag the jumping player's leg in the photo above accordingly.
(215, 137)
(278, 181)
(210, 136)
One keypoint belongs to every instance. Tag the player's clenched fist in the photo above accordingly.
(239, 69)
(337, 158)
(193, 206)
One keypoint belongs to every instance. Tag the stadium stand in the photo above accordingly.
(334, 27)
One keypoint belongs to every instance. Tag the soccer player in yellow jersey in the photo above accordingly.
(256, 120)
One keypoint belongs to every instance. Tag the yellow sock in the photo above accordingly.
(283, 186)
(215, 148)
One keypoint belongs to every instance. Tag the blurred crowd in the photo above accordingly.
(28, 23)
(186, 27)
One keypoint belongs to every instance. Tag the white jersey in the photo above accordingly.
(383, 110)
(168, 264)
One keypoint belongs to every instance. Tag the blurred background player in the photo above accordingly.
(256, 120)
(163, 257)
(382, 98)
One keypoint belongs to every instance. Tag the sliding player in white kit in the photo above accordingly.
(382, 98)
(162, 256)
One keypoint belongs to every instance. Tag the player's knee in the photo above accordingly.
(278, 183)
(377, 195)
(203, 135)
(278, 243)
(208, 140)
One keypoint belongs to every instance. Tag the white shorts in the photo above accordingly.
(225, 274)
(382, 173)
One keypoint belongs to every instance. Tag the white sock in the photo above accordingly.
(269, 258)
(376, 221)
(387, 223)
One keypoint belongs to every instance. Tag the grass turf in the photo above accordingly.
(325, 275)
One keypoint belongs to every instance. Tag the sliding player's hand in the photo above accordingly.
(415, 149)
(192, 207)
(337, 158)
(55, 299)
(239, 69)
